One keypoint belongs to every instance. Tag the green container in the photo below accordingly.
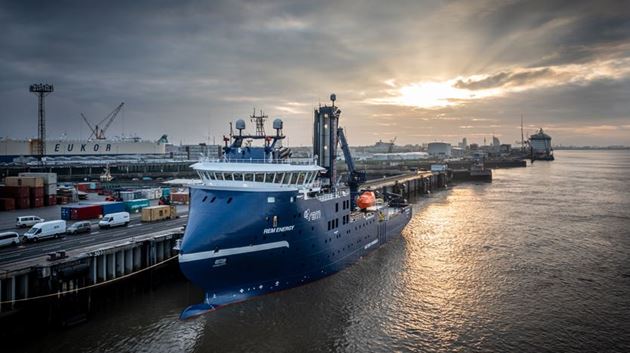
(135, 206)
(166, 192)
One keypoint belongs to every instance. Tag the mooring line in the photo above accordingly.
(87, 287)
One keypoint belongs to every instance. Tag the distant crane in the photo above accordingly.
(97, 131)
(390, 149)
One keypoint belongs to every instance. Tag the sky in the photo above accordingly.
(418, 71)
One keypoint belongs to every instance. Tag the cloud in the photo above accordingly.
(503, 79)
(184, 68)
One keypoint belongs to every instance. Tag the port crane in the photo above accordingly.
(390, 149)
(98, 132)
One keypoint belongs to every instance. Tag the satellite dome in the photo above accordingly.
(277, 124)
(240, 124)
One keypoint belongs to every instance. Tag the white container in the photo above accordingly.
(126, 195)
(50, 189)
(49, 178)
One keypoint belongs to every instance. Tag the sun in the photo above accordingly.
(431, 94)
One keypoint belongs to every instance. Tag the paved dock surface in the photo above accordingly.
(12, 254)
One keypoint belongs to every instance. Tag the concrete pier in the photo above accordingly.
(24, 282)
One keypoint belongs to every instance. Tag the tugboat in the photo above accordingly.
(478, 172)
(262, 222)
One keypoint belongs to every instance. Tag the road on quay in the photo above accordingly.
(96, 236)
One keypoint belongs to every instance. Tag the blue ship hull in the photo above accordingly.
(239, 244)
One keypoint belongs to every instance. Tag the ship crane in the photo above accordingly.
(355, 177)
(97, 132)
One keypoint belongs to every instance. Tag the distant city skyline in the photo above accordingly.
(420, 71)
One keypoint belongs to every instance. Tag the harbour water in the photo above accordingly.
(538, 260)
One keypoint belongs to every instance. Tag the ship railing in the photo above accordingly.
(293, 161)
(331, 195)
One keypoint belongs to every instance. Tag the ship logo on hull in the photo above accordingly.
(312, 215)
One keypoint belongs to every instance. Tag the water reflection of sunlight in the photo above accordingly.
(442, 275)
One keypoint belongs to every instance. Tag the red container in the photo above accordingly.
(36, 192)
(50, 200)
(16, 192)
(62, 200)
(22, 203)
(86, 212)
(37, 202)
(7, 204)
(83, 186)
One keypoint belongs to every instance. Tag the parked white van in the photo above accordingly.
(9, 238)
(50, 229)
(28, 221)
(114, 220)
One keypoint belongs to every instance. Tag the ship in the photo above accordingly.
(15, 151)
(262, 221)
(540, 147)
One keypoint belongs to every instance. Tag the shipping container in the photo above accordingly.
(81, 212)
(24, 181)
(15, 192)
(179, 198)
(7, 204)
(108, 206)
(126, 195)
(166, 192)
(50, 200)
(37, 202)
(22, 203)
(158, 213)
(36, 192)
(62, 200)
(50, 189)
(82, 186)
(49, 178)
(134, 206)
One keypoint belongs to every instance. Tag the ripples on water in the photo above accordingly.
(536, 261)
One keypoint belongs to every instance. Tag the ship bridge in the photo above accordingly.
(300, 174)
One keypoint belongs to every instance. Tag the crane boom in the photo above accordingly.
(94, 131)
(110, 119)
(355, 177)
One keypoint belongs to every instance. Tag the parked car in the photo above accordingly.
(9, 238)
(80, 227)
(50, 229)
(28, 221)
(114, 220)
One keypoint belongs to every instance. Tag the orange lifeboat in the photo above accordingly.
(367, 199)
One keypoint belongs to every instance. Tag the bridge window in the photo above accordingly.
(248, 177)
(259, 178)
(300, 178)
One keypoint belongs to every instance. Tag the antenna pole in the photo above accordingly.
(522, 137)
